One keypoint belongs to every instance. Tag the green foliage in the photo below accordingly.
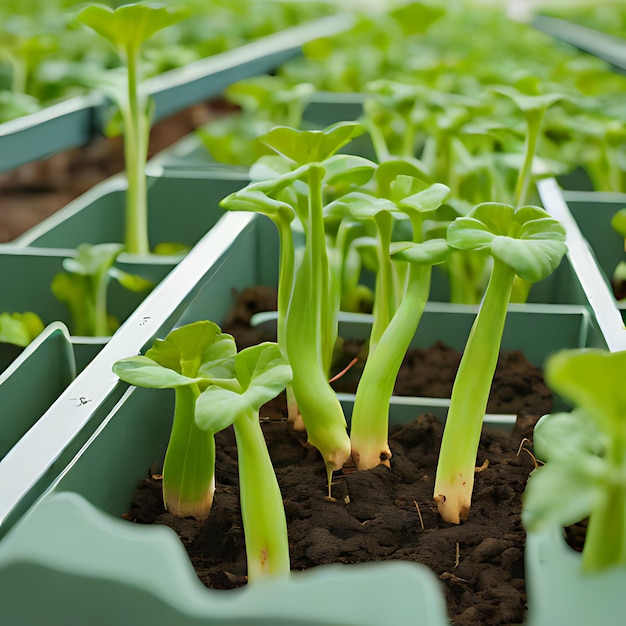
(19, 328)
(585, 456)
(84, 284)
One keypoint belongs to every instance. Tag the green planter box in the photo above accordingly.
(238, 252)
(182, 209)
(32, 380)
(75, 122)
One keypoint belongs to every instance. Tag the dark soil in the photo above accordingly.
(384, 513)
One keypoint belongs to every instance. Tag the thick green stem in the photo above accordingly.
(384, 295)
(370, 416)
(285, 287)
(605, 541)
(100, 285)
(135, 156)
(189, 467)
(262, 511)
(454, 481)
(306, 341)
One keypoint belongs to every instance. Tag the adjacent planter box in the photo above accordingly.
(73, 123)
(594, 250)
(32, 380)
(182, 208)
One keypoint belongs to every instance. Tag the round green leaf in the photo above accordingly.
(144, 372)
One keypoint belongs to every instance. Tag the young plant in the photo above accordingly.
(370, 416)
(259, 374)
(217, 387)
(84, 284)
(127, 28)
(306, 163)
(19, 329)
(585, 456)
(188, 360)
(524, 242)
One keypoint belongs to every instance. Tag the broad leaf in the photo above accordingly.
(527, 239)
(311, 146)
(262, 373)
(431, 252)
(128, 26)
(132, 282)
(258, 202)
(144, 372)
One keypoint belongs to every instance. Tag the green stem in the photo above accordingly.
(135, 156)
(605, 541)
(305, 340)
(262, 511)
(533, 119)
(189, 467)
(370, 416)
(454, 481)
(100, 285)
(384, 296)
(285, 288)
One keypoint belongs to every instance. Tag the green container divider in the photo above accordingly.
(558, 593)
(181, 209)
(59, 127)
(27, 275)
(593, 212)
(79, 537)
(33, 381)
(610, 48)
(581, 238)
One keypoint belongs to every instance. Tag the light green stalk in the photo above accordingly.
(454, 482)
(137, 133)
(370, 418)
(188, 487)
(309, 331)
(263, 514)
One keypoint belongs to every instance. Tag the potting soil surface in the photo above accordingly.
(385, 513)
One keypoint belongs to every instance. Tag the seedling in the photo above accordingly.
(84, 285)
(217, 387)
(524, 242)
(19, 329)
(188, 360)
(584, 475)
(370, 416)
(127, 28)
(305, 163)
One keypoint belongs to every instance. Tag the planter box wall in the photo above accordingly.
(32, 380)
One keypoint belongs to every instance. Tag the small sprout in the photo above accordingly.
(84, 284)
(19, 329)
